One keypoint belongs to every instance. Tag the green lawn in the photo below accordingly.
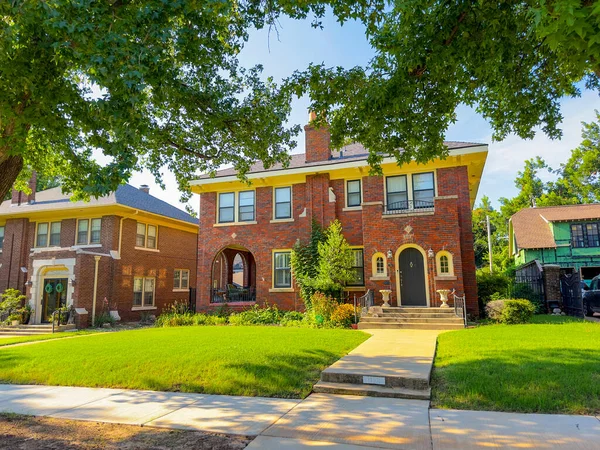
(263, 361)
(40, 337)
(549, 366)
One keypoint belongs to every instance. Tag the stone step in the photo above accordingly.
(330, 375)
(370, 390)
(418, 315)
(386, 319)
(30, 330)
(411, 326)
(418, 309)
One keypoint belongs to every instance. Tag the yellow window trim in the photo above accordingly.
(146, 225)
(37, 224)
(143, 291)
(438, 265)
(280, 289)
(180, 279)
(374, 265)
(236, 206)
(89, 230)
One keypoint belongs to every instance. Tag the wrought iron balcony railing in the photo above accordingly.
(408, 206)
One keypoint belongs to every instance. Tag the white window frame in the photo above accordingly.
(409, 189)
(144, 305)
(290, 218)
(2, 235)
(146, 228)
(374, 273)
(48, 234)
(180, 287)
(89, 232)
(438, 264)
(236, 208)
(274, 286)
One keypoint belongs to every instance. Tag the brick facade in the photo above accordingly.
(321, 197)
(176, 249)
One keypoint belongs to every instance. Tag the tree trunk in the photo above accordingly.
(10, 168)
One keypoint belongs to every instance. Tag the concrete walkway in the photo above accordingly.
(322, 421)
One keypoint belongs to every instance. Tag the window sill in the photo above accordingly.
(281, 290)
(50, 249)
(155, 250)
(444, 278)
(181, 290)
(143, 308)
(354, 288)
(82, 246)
(290, 219)
(383, 278)
(352, 208)
(234, 224)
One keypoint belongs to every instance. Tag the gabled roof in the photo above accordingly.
(531, 226)
(348, 153)
(125, 195)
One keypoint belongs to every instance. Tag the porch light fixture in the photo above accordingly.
(72, 281)
(430, 253)
(24, 269)
(28, 283)
(390, 254)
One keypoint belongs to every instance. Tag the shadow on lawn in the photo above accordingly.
(547, 380)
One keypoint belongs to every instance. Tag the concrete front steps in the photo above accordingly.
(33, 330)
(413, 318)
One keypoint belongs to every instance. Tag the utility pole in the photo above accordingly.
(489, 233)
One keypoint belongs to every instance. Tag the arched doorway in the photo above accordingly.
(233, 276)
(411, 277)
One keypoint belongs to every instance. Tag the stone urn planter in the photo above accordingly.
(385, 294)
(444, 297)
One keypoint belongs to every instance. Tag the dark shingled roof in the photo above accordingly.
(126, 195)
(351, 152)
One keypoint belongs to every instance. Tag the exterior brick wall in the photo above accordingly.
(448, 228)
(177, 249)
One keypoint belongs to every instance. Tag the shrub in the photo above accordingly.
(517, 311)
(511, 311)
(293, 315)
(322, 307)
(268, 315)
(343, 315)
(103, 318)
(489, 284)
(11, 300)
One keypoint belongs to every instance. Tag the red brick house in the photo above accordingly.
(410, 228)
(129, 247)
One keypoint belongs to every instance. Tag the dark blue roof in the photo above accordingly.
(133, 197)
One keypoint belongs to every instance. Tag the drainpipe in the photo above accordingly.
(97, 259)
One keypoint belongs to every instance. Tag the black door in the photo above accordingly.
(55, 296)
(412, 278)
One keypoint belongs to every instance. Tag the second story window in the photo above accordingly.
(88, 231)
(283, 203)
(353, 194)
(48, 234)
(246, 208)
(245, 212)
(396, 192)
(146, 236)
(585, 235)
(423, 190)
(1, 238)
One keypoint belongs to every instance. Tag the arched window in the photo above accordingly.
(379, 266)
(445, 266)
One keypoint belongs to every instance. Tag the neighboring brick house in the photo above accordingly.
(567, 237)
(410, 228)
(129, 247)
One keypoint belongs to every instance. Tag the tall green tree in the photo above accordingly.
(513, 61)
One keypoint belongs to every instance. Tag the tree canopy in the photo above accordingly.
(157, 84)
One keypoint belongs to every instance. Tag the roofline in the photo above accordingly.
(341, 164)
(91, 207)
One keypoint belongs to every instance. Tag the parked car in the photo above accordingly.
(591, 297)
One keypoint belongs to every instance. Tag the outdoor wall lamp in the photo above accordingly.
(430, 253)
(29, 283)
(390, 254)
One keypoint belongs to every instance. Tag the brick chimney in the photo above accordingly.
(18, 197)
(145, 188)
(317, 141)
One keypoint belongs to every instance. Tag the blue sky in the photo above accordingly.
(298, 44)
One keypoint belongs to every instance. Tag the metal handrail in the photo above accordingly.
(460, 306)
(406, 206)
(364, 301)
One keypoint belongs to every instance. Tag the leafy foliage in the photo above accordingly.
(343, 315)
(12, 299)
(511, 312)
(305, 261)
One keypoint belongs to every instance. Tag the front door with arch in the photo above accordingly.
(411, 276)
